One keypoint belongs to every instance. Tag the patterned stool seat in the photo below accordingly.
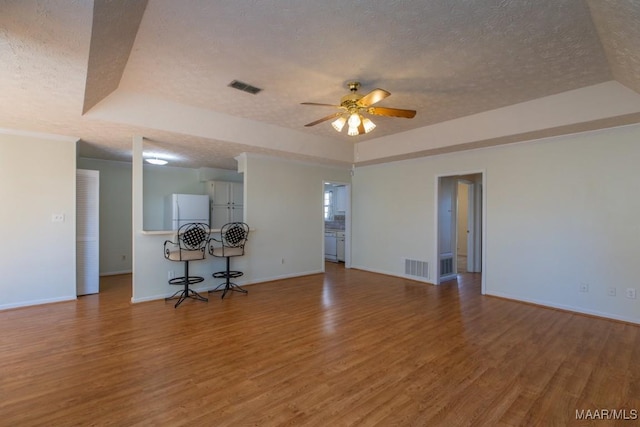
(230, 243)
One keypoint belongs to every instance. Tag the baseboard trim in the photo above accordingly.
(388, 273)
(115, 273)
(36, 302)
(239, 283)
(167, 295)
(283, 277)
(563, 307)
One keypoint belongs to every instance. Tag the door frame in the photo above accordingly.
(483, 233)
(347, 221)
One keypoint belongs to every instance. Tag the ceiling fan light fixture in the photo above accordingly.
(339, 123)
(353, 131)
(354, 120)
(353, 105)
(368, 125)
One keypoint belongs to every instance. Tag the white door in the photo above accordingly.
(87, 232)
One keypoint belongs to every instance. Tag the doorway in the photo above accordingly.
(460, 227)
(336, 203)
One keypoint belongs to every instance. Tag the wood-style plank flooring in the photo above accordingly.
(348, 348)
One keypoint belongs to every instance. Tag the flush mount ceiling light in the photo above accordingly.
(155, 159)
(354, 105)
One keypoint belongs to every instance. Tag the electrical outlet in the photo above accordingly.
(631, 293)
(584, 287)
(57, 217)
(611, 291)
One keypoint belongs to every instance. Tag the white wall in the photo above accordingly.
(560, 212)
(393, 216)
(115, 214)
(284, 203)
(37, 179)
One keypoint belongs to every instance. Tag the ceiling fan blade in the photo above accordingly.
(392, 112)
(372, 97)
(321, 105)
(324, 119)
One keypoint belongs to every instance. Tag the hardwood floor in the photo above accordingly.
(341, 349)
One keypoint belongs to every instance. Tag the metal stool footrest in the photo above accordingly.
(228, 285)
(227, 275)
(190, 280)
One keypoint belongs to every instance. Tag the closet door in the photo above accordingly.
(87, 232)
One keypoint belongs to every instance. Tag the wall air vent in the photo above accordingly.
(245, 87)
(446, 266)
(416, 268)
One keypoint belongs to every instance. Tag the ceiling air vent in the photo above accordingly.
(245, 87)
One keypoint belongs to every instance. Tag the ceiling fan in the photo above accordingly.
(353, 105)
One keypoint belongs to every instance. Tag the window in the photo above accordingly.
(328, 205)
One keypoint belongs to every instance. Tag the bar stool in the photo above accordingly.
(190, 245)
(230, 244)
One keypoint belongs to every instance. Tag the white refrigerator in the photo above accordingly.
(181, 209)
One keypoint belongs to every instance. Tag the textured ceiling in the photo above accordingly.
(446, 59)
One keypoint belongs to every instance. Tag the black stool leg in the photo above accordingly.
(186, 292)
(228, 285)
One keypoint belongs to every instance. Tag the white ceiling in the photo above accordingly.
(104, 71)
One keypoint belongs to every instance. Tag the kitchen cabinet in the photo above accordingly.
(227, 200)
(330, 246)
(341, 199)
(340, 245)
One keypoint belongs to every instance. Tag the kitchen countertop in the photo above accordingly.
(170, 232)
